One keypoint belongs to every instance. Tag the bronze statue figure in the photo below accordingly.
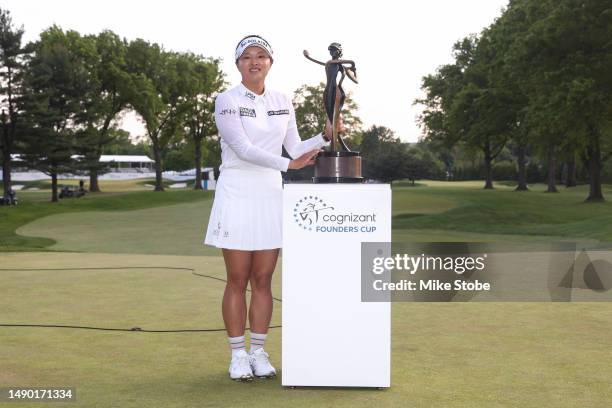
(333, 104)
(335, 165)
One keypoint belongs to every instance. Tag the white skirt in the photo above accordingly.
(247, 210)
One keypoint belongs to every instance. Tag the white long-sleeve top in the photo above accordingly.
(254, 128)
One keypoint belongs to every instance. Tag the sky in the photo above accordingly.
(393, 43)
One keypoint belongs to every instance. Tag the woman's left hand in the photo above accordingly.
(307, 159)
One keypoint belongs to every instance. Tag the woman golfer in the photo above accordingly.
(254, 123)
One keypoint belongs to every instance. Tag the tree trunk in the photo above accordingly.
(198, 163)
(8, 135)
(594, 165)
(570, 179)
(53, 185)
(93, 181)
(158, 167)
(94, 186)
(6, 170)
(552, 170)
(595, 192)
(488, 168)
(522, 170)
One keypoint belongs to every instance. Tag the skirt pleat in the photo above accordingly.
(247, 210)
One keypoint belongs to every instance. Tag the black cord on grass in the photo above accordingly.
(133, 329)
(223, 280)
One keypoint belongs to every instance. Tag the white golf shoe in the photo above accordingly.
(261, 365)
(240, 367)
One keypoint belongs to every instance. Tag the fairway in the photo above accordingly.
(435, 211)
(178, 230)
(525, 354)
(138, 265)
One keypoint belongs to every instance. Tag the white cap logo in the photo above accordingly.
(251, 41)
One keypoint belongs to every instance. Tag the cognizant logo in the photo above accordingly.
(313, 214)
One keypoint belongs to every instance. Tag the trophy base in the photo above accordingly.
(338, 167)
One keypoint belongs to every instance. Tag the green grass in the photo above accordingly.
(444, 354)
(503, 212)
(459, 354)
(166, 183)
(116, 197)
(175, 229)
(128, 218)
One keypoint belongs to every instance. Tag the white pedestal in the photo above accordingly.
(329, 336)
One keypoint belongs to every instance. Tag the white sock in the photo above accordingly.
(257, 341)
(236, 344)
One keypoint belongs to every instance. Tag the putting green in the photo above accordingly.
(177, 229)
(460, 354)
(420, 215)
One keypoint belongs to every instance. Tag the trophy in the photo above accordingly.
(338, 164)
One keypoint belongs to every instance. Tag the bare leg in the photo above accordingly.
(260, 310)
(238, 266)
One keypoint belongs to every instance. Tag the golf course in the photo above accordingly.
(127, 271)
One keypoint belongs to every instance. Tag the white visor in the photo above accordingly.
(253, 41)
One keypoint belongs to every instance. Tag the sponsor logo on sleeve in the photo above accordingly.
(278, 112)
(227, 111)
(247, 112)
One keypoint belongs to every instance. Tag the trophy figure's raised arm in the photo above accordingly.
(339, 164)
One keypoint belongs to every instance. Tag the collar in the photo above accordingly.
(245, 92)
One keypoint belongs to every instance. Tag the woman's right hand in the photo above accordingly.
(307, 159)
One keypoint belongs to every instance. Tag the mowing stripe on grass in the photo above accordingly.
(133, 329)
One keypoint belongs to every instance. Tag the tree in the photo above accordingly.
(11, 69)
(57, 83)
(565, 57)
(384, 156)
(588, 104)
(115, 89)
(121, 144)
(464, 103)
(179, 156)
(440, 89)
(479, 113)
(156, 99)
(539, 76)
(374, 137)
(204, 80)
(421, 164)
(501, 36)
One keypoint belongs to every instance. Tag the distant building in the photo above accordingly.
(128, 164)
(121, 167)
(116, 163)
